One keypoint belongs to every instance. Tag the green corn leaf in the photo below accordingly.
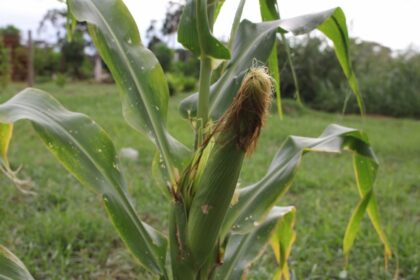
(282, 242)
(86, 151)
(220, 69)
(354, 224)
(275, 73)
(71, 23)
(213, 10)
(218, 7)
(256, 200)
(269, 11)
(11, 267)
(365, 172)
(194, 32)
(6, 131)
(255, 41)
(335, 29)
(243, 249)
(137, 72)
(235, 24)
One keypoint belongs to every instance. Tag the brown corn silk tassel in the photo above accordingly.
(249, 109)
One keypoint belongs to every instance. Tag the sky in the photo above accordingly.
(389, 22)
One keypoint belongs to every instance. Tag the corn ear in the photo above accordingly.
(235, 135)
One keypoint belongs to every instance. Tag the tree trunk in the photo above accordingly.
(30, 60)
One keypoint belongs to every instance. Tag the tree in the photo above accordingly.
(168, 28)
(74, 60)
(4, 64)
(17, 54)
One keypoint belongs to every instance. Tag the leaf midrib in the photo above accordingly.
(95, 163)
(157, 132)
(74, 140)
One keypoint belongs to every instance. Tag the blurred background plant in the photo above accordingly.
(389, 80)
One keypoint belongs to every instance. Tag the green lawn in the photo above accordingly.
(63, 232)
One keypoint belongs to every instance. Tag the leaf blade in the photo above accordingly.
(138, 74)
(282, 242)
(86, 151)
(269, 11)
(11, 267)
(194, 32)
(354, 223)
(335, 29)
(6, 131)
(243, 249)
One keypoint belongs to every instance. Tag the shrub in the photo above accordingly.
(60, 80)
(46, 62)
(178, 83)
(4, 65)
(164, 54)
(389, 81)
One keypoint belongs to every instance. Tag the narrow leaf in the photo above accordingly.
(282, 242)
(71, 23)
(269, 11)
(243, 249)
(365, 172)
(11, 267)
(221, 67)
(218, 7)
(354, 223)
(235, 24)
(335, 29)
(194, 31)
(137, 72)
(86, 151)
(6, 131)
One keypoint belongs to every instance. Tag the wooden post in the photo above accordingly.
(30, 60)
(98, 68)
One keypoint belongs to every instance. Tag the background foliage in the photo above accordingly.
(4, 64)
(389, 80)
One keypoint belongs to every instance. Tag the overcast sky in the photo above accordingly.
(389, 22)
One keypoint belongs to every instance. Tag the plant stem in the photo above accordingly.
(203, 96)
(292, 69)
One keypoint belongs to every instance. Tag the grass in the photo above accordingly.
(63, 232)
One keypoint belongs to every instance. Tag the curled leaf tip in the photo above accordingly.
(248, 111)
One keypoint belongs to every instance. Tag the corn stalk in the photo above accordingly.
(216, 231)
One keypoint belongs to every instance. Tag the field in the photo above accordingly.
(63, 232)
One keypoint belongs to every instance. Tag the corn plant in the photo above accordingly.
(216, 229)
